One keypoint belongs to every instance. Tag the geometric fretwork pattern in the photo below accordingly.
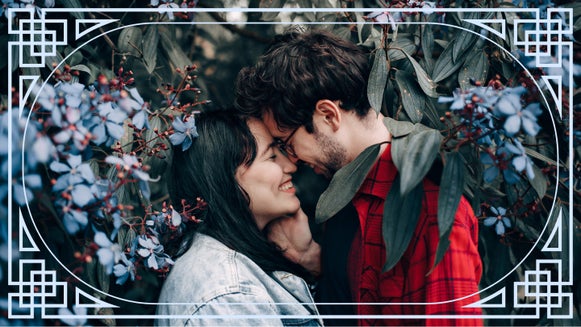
(543, 36)
(37, 37)
(37, 289)
(542, 288)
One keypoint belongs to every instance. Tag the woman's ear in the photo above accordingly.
(328, 112)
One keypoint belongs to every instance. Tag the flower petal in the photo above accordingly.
(82, 195)
(500, 229)
(102, 240)
(59, 167)
(490, 221)
(512, 125)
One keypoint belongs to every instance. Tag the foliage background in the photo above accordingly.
(154, 52)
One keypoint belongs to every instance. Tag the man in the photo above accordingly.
(310, 90)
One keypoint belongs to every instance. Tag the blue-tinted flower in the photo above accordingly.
(73, 219)
(499, 220)
(76, 180)
(124, 270)
(109, 253)
(107, 126)
(499, 162)
(509, 105)
(184, 132)
(520, 160)
(135, 106)
(168, 4)
(458, 100)
(72, 318)
(152, 252)
(132, 166)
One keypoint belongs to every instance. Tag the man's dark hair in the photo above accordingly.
(299, 69)
(207, 170)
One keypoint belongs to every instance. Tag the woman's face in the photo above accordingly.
(268, 179)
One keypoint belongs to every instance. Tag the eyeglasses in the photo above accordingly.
(285, 147)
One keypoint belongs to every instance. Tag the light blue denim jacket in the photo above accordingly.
(212, 285)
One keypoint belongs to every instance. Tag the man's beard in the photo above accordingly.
(333, 154)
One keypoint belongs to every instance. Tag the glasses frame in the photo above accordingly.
(285, 147)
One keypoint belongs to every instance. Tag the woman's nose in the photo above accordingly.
(289, 164)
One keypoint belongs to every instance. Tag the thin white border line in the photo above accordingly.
(292, 10)
(305, 10)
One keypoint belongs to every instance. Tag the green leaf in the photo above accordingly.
(539, 182)
(345, 184)
(432, 113)
(363, 32)
(428, 46)
(270, 16)
(130, 40)
(445, 66)
(73, 4)
(449, 196)
(400, 47)
(157, 166)
(462, 43)
(377, 80)
(426, 83)
(475, 67)
(82, 68)
(398, 128)
(175, 54)
(400, 217)
(74, 57)
(127, 138)
(414, 154)
(543, 158)
(150, 42)
(413, 99)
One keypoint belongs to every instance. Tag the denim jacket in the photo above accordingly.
(213, 285)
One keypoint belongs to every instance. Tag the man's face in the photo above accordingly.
(318, 150)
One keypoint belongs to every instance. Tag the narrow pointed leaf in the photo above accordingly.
(539, 182)
(130, 40)
(462, 43)
(150, 42)
(426, 83)
(428, 46)
(177, 57)
(541, 157)
(400, 47)
(345, 184)
(377, 80)
(414, 154)
(445, 66)
(449, 196)
(398, 128)
(412, 97)
(400, 217)
(475, 67)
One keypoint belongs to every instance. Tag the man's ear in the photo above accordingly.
(328, 112)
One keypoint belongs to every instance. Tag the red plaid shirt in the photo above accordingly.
(456, 276)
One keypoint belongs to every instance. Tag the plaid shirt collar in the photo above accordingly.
(380, 177)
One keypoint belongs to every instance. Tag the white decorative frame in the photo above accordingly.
(37, 291)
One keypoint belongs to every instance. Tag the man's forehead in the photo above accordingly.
(272, 126)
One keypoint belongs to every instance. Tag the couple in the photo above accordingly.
(306, 97)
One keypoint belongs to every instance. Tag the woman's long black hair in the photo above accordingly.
(207, 170)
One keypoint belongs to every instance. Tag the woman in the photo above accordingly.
(232, 274)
